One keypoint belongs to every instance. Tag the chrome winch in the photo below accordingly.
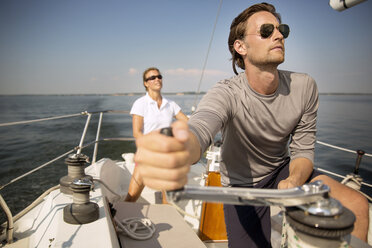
(312, 218)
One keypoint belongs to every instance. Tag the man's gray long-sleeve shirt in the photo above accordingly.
(258, 129)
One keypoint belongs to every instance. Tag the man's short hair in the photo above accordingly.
(238, 26)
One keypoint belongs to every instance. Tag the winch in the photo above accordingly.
(314, 219)
(311, 219)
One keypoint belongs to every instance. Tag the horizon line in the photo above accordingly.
(164, 93)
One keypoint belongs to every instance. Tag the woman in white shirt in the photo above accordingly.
(150, 112)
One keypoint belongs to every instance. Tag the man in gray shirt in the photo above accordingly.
(268, 122)
(256, 127)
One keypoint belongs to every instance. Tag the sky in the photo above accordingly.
(103, 46)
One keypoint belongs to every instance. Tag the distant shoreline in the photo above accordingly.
(164, 93)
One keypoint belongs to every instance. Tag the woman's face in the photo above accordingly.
(153, 80)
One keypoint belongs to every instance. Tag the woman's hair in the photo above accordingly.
(146, 71)
(237, 30)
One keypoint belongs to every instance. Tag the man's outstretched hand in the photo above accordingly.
(164, 161)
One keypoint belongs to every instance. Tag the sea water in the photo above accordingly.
(343, 120)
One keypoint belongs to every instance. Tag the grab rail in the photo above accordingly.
(97, 138)
(84, 133)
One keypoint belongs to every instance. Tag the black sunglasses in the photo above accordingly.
(153, 77)
(266, 30)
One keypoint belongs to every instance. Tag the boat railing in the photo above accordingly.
(358, 152)
(97, 140)
(341, 148)
(76, 149)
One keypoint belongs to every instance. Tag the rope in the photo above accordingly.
(38, 120)
(355, 182)
(108, 188)
(352, 181)
(297, 239)
(340, 148)
(136, 228)
(182, 211)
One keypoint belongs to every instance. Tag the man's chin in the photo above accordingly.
(270, 61)
(276, 61)
(279, 58)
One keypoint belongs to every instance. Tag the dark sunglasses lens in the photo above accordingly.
(266, 30)
(154, 77)
(284, 30)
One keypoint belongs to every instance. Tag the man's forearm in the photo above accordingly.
(195, 148)
(299, 170)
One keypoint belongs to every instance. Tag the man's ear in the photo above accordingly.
(239, 47)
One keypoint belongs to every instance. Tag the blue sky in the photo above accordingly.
(102, 46)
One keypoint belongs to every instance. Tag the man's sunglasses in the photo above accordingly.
(267, 30)
(153, 77)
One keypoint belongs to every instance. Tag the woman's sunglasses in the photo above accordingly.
(266, 30)
(154, 77)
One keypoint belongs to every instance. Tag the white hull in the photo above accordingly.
(43, 226)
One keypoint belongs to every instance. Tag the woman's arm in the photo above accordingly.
(137, 125)
(135, 187)
(181, 116)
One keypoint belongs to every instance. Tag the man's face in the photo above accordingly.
(263, 51)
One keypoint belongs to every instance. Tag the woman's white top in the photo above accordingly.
(154, 117)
